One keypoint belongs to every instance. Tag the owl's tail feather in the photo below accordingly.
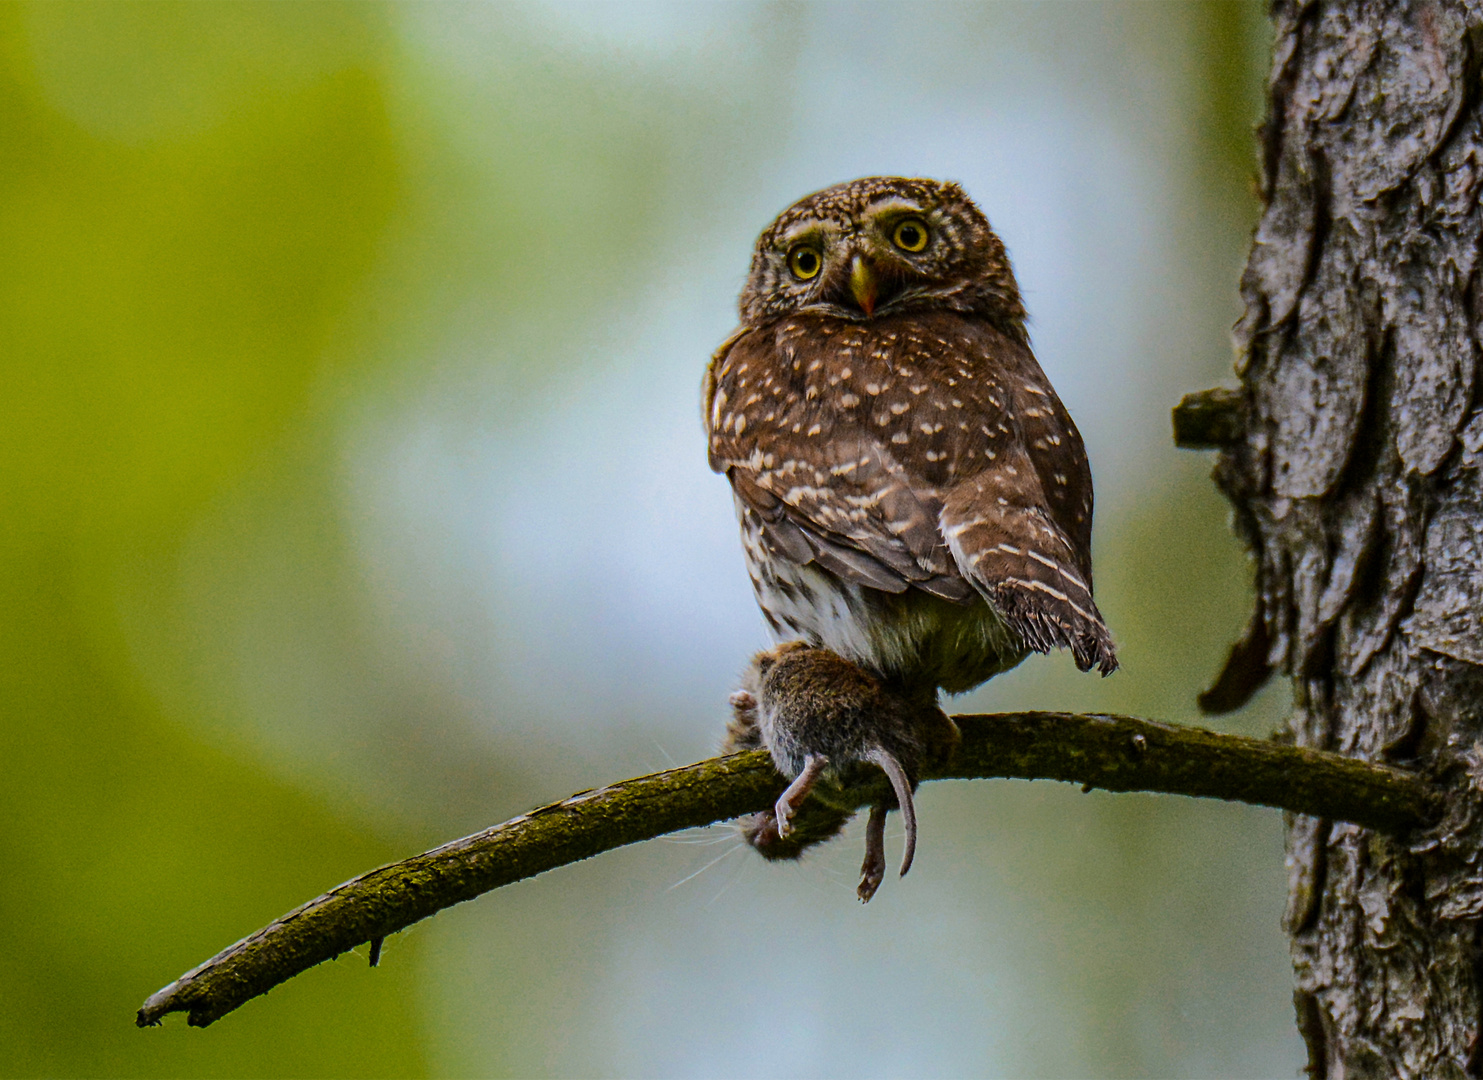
(1046, 624)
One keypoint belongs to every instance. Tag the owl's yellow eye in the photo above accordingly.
(911, 235)
(805, 263)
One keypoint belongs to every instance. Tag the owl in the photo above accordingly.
(913, 496)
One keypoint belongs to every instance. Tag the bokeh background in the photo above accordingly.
(353, 497)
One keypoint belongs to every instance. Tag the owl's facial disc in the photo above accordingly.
(882, 267)
(880, 247)
(857, 268)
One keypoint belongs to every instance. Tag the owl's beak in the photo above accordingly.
(862, 285)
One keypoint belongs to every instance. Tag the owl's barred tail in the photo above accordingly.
(1098, 653)
(1045, 627)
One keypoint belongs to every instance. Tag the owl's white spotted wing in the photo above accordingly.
(853, 510)
(824, 489)
(1020, 526)
(1007, 541)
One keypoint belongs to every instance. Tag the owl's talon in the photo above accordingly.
(873, 869)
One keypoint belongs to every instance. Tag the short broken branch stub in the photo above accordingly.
(1209, 420)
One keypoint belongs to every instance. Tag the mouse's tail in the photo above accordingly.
(902, 784)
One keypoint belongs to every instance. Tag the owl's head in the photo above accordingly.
(878, 246)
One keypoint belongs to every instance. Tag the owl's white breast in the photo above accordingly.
(912, 636)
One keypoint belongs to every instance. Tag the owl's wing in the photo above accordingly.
(1008, 540)
(851, 508)
(836, 498)
(1053, 446)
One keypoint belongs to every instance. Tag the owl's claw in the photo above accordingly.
(873, 869)
(791, 799)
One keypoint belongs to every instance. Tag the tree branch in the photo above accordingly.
(1209, 420)
(1114, 752)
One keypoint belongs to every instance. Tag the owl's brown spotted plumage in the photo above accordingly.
(912, 493)
(913, 496)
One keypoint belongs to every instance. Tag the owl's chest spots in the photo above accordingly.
(923, 393)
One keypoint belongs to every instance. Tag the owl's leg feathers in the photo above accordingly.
(873, 869)
(902, 786)
(791, 799)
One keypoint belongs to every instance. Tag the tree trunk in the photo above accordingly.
(1356, 481)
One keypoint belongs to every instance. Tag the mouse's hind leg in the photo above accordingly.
(791, 799)
(873, 869)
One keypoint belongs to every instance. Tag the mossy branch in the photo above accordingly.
(1117, 753)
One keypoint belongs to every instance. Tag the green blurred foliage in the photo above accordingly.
(188, 194)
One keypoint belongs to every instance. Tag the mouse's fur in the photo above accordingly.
(825, 721)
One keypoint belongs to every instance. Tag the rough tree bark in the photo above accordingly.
(1356, 480)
